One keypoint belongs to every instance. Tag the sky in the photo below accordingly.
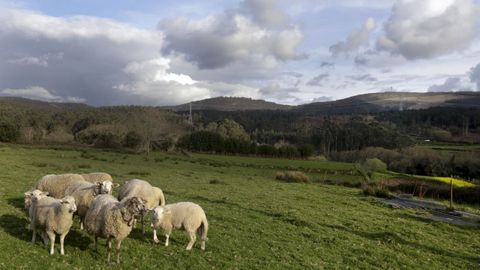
(167, 52)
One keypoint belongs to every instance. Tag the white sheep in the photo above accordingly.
(84, 194)
(153, 196)
(102, 177)
(183, 215)
(30, 196)
(33, 197)
(108, 218)
(53, 216)
(56, 184)
(97, 177)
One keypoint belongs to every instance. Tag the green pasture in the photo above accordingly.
(256, 222)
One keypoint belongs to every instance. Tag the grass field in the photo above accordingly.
(255, 221)
(449, 148)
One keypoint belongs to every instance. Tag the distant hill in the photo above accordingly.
(230, 104)
(24, 103)
(392, 101)
(367, 103)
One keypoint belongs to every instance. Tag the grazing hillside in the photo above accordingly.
(230, 104)
(392, 101)
(255, 221)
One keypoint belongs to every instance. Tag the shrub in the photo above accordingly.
(305, 150)
(288, 151)
(266, 150)
(320, 158)
(216, 182)
(292, 176)
(203, 141)
(132, 140)
(376, 189)
(165, 144)
(102, 136)
(375, 165)
(8, 132)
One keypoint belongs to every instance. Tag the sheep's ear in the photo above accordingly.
(99, 184)
(115, 185)
(166, 211)
(28, 194)
(45, 193)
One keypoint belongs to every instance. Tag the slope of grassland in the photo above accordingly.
(255, 221)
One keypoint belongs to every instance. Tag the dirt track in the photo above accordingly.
(435, 211)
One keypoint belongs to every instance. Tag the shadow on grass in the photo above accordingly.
(17, 227)
(386, 237)
(77, 239)
(391, 238)
(16, 202)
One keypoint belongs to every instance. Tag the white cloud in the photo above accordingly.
(40, 93)
(357, 38)
(450, 84)
(318, 80)
(475, 75)
(265, 12)
(278, 93)
(38, 25)
(153, 84)
(429, 28)
(232, 37)
(79, 56)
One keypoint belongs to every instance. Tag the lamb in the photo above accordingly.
(56, 185)
(104, 178)
(153, 196)
(84, 193)
(183, 215)
(111, 219)
(33, 197)
(53, 216)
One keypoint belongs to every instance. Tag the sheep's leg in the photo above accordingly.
(45, 238)
(109, 248)
(155, 238)
(167, 236)
(119, 242)
(34, 236)
(81, 225)
(143, 226)
(193, 238)
(202, 245)
(167, 230)
(51, 235)
(62, 237)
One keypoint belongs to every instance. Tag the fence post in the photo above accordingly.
(451, 192)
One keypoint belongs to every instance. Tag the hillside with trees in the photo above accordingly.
(135, 127)
(268, 133)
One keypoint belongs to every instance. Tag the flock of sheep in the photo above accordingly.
(54, 200)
